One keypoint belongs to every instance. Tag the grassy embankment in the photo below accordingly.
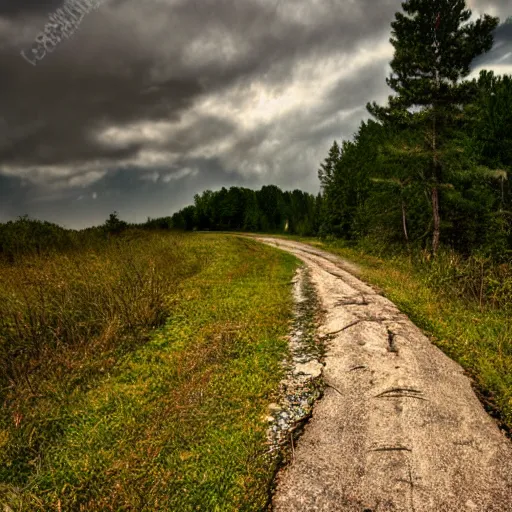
(108, 406)
(464, 306)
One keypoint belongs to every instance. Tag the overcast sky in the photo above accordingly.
(152, 101)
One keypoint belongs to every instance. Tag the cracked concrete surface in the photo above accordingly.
(399, 427)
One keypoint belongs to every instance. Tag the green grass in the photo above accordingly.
(479, 337)
(174, 420)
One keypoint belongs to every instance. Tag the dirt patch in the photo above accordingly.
(399, 427)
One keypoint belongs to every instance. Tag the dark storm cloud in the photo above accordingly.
(12, 8)
(70, 103)
(135, 63)
(87, 84)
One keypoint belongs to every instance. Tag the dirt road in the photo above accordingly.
(399, 427)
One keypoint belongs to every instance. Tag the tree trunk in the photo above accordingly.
(404, 222)
(437, 220)
(435, 194)
(435, 164)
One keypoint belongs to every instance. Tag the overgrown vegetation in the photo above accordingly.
(102, 412)
(32, 237)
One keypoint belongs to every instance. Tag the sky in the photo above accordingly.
(149, 102)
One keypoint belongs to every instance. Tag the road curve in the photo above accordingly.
(399, 427)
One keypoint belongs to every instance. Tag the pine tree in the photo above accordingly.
(326, 171)
(434, 46)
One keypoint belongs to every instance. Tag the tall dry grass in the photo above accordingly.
(59, 311)
(477, 278)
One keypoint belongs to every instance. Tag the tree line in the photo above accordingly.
(241, 209)
(235, 209)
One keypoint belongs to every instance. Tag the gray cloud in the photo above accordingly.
(151, 101)
(13, 8)
(501, 52)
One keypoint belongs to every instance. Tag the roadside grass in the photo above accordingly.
(477, 336)
(150, 419)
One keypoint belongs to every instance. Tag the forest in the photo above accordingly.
(266, 210)
(388, 184)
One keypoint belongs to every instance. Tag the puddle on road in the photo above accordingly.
(302, 385)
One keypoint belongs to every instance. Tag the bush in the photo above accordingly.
(33, 237)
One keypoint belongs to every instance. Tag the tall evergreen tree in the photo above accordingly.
(434, 46)
(327, 167)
